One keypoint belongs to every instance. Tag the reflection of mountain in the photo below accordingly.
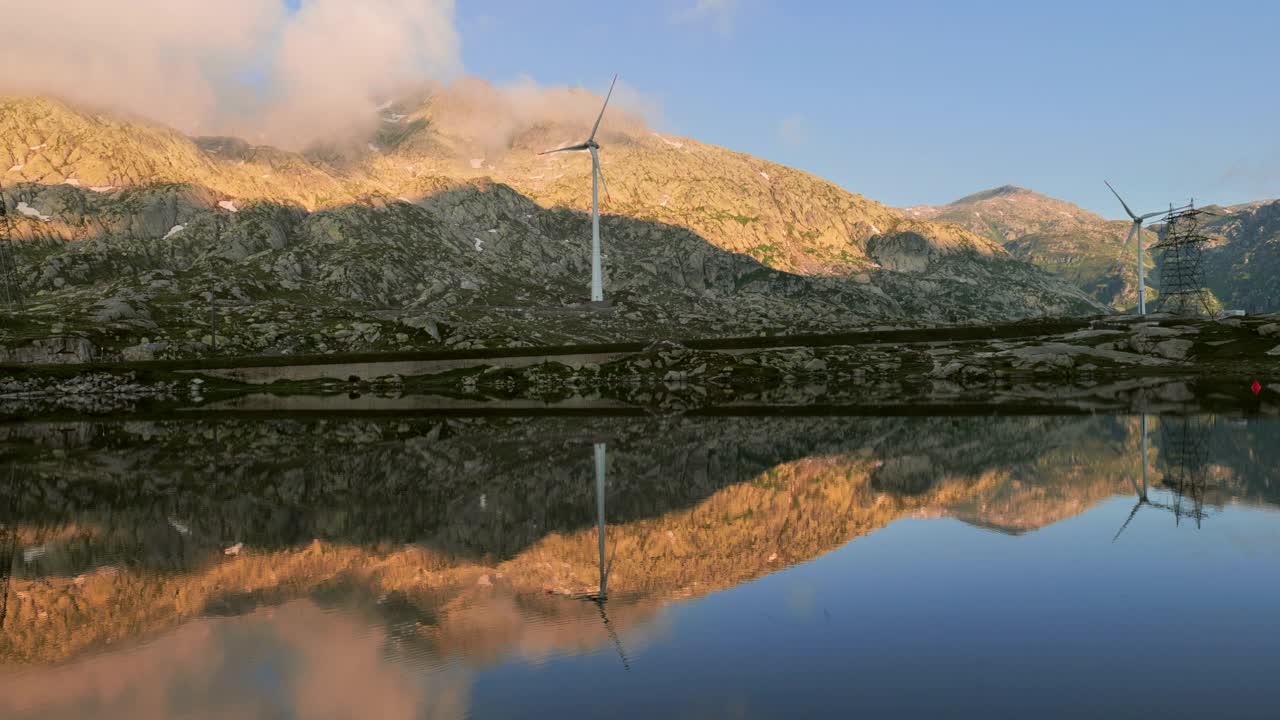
(123, 531)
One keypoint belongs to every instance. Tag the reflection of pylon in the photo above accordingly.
(1184, 453)
(10, 290)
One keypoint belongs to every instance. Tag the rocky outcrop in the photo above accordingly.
(52, 350)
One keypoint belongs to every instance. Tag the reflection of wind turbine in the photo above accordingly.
(602, 597)
(600, 473)
(1135, 230)
(597, 178)
(1142, 493)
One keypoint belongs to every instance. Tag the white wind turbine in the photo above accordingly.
(1136, 230)
(597, 178)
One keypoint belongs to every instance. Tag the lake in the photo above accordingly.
(419, 565)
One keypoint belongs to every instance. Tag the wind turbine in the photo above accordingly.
(1136, 230)
(597, 178)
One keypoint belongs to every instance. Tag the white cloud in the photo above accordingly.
(719, 13)
(184, 62)
(793, 130)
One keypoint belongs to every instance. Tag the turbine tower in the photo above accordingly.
(1135, 230)
(597, 178)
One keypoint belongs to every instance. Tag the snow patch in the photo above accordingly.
(493, 230)
(41, 146)
(875, 229)
(394, 118)
(374, 148)
(72, 182)
(665, 198)
(102, 188)
(17, 167)
(174, 231)
(29, 211)
(764, 175)
(479, 244)
(228, 205)
(477, 163)
(404, 199)
(183, 529)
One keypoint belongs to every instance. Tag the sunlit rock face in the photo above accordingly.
(127, 233)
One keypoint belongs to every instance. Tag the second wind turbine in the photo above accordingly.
(597, 178)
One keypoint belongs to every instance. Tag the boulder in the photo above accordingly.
(1174, 349)
(57, 349)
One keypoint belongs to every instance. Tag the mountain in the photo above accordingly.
(443, 227)
(1242, 260)
(1068, 240)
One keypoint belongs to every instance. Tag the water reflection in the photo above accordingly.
(462, 544)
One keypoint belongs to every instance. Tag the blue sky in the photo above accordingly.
(923, 102)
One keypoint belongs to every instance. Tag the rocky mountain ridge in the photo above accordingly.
(1058, 236)
(124, 231)
(1241, 261)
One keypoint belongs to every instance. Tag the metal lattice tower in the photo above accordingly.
(1182, 287)
(10, 289)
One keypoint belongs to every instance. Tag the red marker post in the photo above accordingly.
(1256, 387)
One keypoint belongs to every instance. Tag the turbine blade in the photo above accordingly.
(571, 148)
(602, 107)
(1126, 207)
(1133, 227)
(600, 169)
(1154, 214)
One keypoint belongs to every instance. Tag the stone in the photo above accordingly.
(143, 351)
(1174, 349)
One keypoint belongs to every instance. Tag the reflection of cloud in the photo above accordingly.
(294, 661)
(719, 13)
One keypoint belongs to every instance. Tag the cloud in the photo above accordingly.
(494, 118)
(719, 13)
(1259, 174)
(274, 73)
(793, 130)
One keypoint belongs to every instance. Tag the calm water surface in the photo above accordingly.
(427, 567)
